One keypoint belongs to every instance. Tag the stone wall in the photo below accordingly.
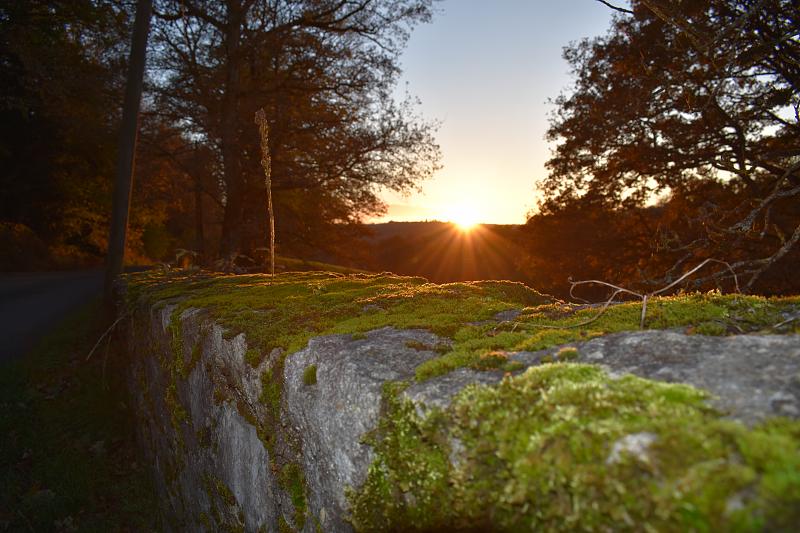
(340, 434)
(222, 459)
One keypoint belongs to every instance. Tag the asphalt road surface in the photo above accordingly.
(32, 303)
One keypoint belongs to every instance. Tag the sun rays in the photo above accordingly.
(464, 216)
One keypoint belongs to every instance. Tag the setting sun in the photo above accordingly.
(464, 216)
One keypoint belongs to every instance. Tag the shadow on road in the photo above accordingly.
(32, 303)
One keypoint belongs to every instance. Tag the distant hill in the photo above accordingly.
(442, 252)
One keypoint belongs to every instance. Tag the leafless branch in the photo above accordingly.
(768, 262)
(747, 223)
(615, 8)
(644, 297)
(785, 322)
(695, 269)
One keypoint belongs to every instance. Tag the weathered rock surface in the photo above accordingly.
(751, 376)
(334, 414)
(211, 468)
(210, 435)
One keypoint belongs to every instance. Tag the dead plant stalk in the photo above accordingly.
(263, 128)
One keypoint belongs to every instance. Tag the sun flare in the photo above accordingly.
(465, 217)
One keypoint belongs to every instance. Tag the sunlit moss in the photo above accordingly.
(543, 326)
(544, 451)
(408, 482)
(286, 310)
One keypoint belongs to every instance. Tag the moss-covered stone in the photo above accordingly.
(310, 375)
(286, 310)
(225, 510)
(293, 481)
(548, 450)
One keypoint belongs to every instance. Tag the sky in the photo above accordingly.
(485, 69)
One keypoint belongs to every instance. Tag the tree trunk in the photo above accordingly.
(232, 171)
(123, 181)
(199, 234)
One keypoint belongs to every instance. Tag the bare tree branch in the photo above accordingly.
(615, 8)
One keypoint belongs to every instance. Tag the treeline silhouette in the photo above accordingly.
(441, 252)
(629, 247)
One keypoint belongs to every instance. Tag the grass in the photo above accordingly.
(67, 438)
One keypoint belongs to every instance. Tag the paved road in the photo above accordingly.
(32, 303)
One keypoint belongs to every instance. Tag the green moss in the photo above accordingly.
(229, 515)
(538, 453)
(567, 353)
(244, 410)
(176, 339)
(490, 360)
(197, 351)
(270, 391)
(283, 525)
(286, 310)
(177, 413)
(543, 326)
(513, 366)
(294, 482)
(271, 396)
(408, 482)
(219, 395)
(310, 375)
(542, 427)
(253, 357)
(224, 492)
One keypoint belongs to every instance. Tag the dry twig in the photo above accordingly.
(103, 336)
(643, 296)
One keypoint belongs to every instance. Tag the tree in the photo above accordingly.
(323, 71)
(59, 83)
(682, 93)
(127, 147)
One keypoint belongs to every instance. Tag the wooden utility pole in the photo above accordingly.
(123, 179)
(263, 129)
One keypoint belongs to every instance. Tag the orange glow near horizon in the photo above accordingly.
(464, 216)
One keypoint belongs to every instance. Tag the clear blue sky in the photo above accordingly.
(486, 69)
